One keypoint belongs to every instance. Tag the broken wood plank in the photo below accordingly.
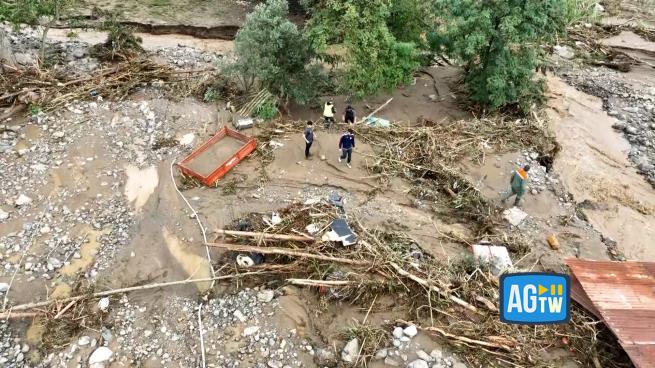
(287, 252)
(375, 111)
(258, 235)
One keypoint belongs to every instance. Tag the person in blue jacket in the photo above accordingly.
(346, 145)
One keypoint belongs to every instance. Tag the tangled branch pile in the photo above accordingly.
(49, 91)
(458, 301)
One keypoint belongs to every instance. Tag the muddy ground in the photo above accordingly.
(90, 201)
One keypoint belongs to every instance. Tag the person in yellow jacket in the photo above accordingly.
(518, 183)
(328, 113)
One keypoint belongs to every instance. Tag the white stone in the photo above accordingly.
(598, 8)
(266, 296)
(410, 331)
(103, 304)
(84, 341)
(418, 363)
(564, 52)
(101, 355)
(398, 332)
(3, 215)
(381, 354)
(350, 351)
(250, 330)
(187, 139)
(237, 313)
(23, 200)
(423, 355)
(436, 354)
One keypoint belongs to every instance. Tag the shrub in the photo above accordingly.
(273, 54)
(500, 44)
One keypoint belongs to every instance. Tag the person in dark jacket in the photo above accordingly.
(309, 137)
(349, 115)
(346, 145)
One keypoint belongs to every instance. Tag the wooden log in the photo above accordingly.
(326, 283)
(376, 110)
(287, 252)
(250, 234)
(28, 306)
(433, 287)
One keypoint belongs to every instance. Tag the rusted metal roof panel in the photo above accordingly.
(623, 295)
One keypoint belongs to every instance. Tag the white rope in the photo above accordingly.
(195, 215)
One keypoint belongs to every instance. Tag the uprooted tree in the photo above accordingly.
(374, 60)
(501, 45)
(42, 13)
(272, 54)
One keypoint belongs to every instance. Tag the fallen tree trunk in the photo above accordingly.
(28, 306)
(287, 252)
(434, 288)
(250, 234)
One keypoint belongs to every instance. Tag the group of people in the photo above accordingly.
(347, 140)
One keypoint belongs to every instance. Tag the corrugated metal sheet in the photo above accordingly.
(623, 295)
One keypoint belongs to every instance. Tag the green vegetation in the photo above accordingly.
(121, 42)
(266, 111)
(43, 13)
(374, 59)
(500, 44)
(274, 55)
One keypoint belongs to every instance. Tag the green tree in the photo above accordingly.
(43, 13)
(273, 54)
(500, 43)
(374, 59)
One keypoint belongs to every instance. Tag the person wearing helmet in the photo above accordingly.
(518, 183)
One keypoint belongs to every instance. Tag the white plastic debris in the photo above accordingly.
(103, 304)
(275, 144)
(275, 218)
(312, 229)
(245, 261)
(496, 256)
(514, 215)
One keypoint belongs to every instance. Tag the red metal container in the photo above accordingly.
(211, 161)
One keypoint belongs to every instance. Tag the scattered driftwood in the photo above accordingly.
(434, 288)
(29, 306)
(325, 283)
(267, 236)
(375, 111)
(287, 252)
(463, 339)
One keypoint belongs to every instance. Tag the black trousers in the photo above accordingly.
(308, 145)
(347, 153)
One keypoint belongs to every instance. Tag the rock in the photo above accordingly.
(3, 215)
(239, 315)
(398, 332)
(391, 362)
(250, 330)
(645, 167)
(598, 8)
(534, 155)
(631, 109)
(514, 216)
(381, 354)
(410, 331)
(22, 200)
(55, 263)
(424, 356)
(325, 357)
(3, 287)
(266, 296)
(631, 130)
(84, 341)
(418, 363)
(432, 97)
(436, 354)
(564, 52)
(100, 356)
(103, 304)
(619, 126)
(274, 364)
(534, 191)
(396, 343)
(78, 52)
(350, 351)
(24, 59)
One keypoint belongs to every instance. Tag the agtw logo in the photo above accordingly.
(535, 298)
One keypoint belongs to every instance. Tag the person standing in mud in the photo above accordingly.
(328, 114)
(346, 145)
(309, 137)
(349, 115)
(517, 185)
